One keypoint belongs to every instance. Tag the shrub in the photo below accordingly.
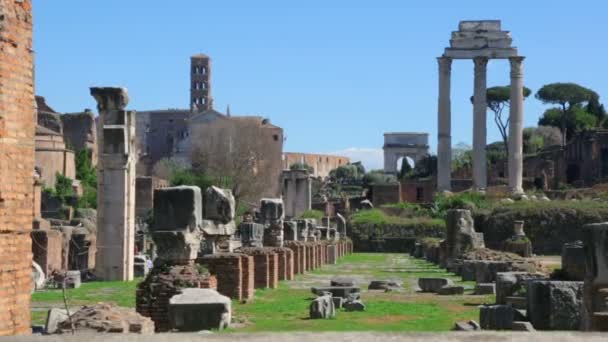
(312, 214)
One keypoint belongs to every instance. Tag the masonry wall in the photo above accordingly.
(17, 127)
(321, 163)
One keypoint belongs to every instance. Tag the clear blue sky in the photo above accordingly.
(334, 74)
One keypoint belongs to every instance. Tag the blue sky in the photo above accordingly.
(334, 74)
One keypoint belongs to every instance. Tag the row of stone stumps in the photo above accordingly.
(201, 251)
(526, 299)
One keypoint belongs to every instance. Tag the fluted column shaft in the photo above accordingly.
(444, 126)
(480, 181)
(516, 117)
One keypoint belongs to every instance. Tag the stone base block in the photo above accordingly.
(199, 309)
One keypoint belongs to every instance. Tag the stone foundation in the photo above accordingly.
(153, 294)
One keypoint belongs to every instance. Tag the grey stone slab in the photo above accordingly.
(177, 209)
(479, 25)
(54, 318)
(336, 291)
(492, 53)
(322, 308)
(522, 326)
(485, 289)
(451, 290)
(555, 305)
(496, 317)
(354, 305)
(433, 284)
(199, 309)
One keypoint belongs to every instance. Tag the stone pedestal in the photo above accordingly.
(116, 185)
(595, 290)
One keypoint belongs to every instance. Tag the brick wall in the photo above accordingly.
(17, 127)
(247, 286)
(227, 268)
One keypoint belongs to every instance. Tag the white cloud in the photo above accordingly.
(372, 158)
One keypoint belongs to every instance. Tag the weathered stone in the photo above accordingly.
(177, 246)
(322, 307)
(177, 208)
(555, 305)
(467, 270)
(461, 235)
(341, 225)
(199, 309)
(346, 282)
(383, 285)
(485, 271)
(297, 195)
(450, 290)
(522, 326)
(271, 210)
(290, 231)
(517, 302)
(595, 301)
(485, 288)
(466, 326)
(251, 234)
(496, 317)
(70, 278)
(366, 205)
(573, 261)
(510, 283)
(54, 318)
(433, 284)
(219, 205)
(336, 291)
(354, 305)
(338, 302)
(116, 180)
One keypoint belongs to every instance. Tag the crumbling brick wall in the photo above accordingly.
(228, 269)
(247, 286)
(17, 127)
(46, 248)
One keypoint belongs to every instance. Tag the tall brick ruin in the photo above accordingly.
(17, 129)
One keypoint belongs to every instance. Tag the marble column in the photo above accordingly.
(444, 126)
(516, 117)
(480, 181)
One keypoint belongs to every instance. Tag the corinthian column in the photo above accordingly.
(516, 117)
(444, 126)
(480, 181)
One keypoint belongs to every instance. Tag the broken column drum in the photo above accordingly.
(272, 214)
(480, 41)
(116, 185)
(218, 224)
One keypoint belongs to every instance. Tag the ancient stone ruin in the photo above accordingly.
(116, 183)
(480, 41)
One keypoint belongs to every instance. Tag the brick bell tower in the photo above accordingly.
(200, 83)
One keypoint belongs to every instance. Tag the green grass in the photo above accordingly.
(379, 218)
(115, 292)
(286, 308)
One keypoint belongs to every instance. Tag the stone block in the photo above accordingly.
(467, 270)
(290, 231)
(485, 289)
(496, 317)
(336, 291)
(219, 205)
(354, 305)
(461, 236)
(450, 290)
(555, 305)
(338, 302)
(479, 25)
(271, 210)
(177, 246)
(522, 326)
(53, 319)
(573, 261)
(433, 284)
(177, 209)
(383, 285)
(322, 307)
(251, 234)
(199, 309)
(510, 283)
(595, 297)
(517, 302)
(485, 271)
(348, 282)
(466, 326)
(72, 280)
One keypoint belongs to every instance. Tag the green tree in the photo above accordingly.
(577, 119)
(497, 99)
(86, 173)
(567, 96)
(405, 170)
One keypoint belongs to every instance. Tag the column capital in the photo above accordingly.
(445, 63)
(480, 61)
(516, 66)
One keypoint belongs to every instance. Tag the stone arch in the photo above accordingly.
(403, 145)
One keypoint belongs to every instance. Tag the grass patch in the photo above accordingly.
(378, 218)
(114, 292)
(313, 214)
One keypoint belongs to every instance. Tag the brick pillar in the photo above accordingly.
(290, 265)
(332, 251)
(17, 129)
(273, 270)
(282, 262)
(302, 258)
(261, 271)
(228, 270)
(247, 285)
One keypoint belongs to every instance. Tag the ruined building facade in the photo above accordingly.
(321, 164)
(172, 133)
(17, 127)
